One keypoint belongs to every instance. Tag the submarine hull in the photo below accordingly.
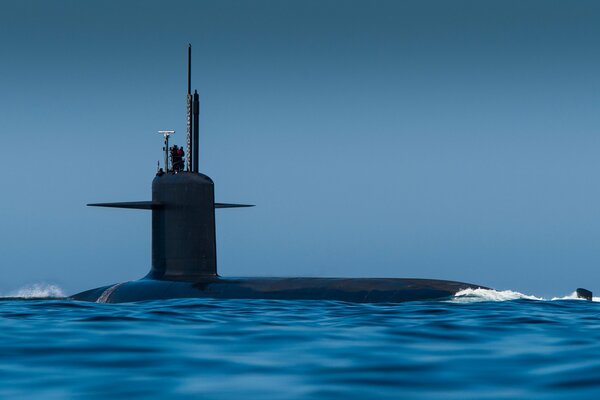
(355, 290)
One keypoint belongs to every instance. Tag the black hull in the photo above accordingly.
(355, 290)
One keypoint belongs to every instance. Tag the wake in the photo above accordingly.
(477, 295)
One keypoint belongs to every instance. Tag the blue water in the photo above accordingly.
(255, 349)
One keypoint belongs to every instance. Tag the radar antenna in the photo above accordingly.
(166, 135)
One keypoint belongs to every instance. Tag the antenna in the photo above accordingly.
(166, 135)
(189, 69)
(189, 110)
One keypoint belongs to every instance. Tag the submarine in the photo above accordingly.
(184, 252)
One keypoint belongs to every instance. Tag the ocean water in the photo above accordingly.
(479, 345)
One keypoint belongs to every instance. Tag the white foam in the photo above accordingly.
(476, 295)
(473, 295)
(37, 290)
(572, 296)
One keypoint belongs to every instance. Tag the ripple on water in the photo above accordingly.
(299, 349)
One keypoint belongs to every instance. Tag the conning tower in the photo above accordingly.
(183, 209)
(183, 227)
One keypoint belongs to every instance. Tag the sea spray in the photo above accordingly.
(477, 295)
(37, 291)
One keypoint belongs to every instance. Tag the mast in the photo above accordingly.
(189, 110)
(166, 135)
(195, 140)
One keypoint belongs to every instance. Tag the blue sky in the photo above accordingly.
(439, 139)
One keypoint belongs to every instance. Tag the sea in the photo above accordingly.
(480, 344)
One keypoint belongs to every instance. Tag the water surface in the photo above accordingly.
(271, 349)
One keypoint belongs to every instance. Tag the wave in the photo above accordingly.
(36, 291)
(476, 295)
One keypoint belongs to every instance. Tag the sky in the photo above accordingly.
(435, 139)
